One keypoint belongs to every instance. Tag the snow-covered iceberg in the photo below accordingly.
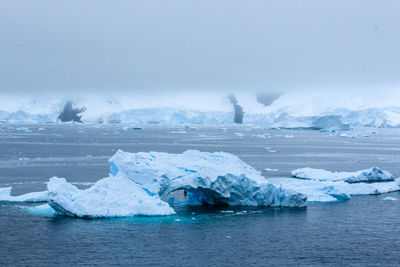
(138, 181)
(329, 191)
(212, 178)
(5, 196)
(373, 174)
(109, 197)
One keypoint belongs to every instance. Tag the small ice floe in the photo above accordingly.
(373, 174)
(390, 199)
(271, 151)
(261, 136)
(5, 196)
(228, 236)
(131, 128)
(40, 129)
(25, 129)
(345, 135)
(289, 136)
(190, 128)
(239, 134)
(227, 211)
(270, 170)
(178, 132)
(178, 220)
(267, 148)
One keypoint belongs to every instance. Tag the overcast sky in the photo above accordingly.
(188, 45)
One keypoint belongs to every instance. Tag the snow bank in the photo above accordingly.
(212, 178)
(5, 196)
(373, 174)
(109, 197)
(331, 191)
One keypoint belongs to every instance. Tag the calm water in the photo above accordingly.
(362, 231)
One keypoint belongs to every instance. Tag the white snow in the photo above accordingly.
(330, 191)
(373, 174)
(5, 196)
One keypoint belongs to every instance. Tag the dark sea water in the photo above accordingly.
(363, 231)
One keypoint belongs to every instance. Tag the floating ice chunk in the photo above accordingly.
(270, 170)
(345, 135)
(5, 196)
(289, 136)
(390, 199)
(266, 135)
(109, 197)
(44, 210)
(212, 178)
(373, 174)
(329, 191)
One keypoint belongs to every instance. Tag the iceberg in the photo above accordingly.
(373, 174)
(209, 178)
(333, 191)
(5, 196)
(139, 181)
(109, 197)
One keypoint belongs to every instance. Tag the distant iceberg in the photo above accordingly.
(138, 181)
(5, 196)
(373, 174)
(329, 191)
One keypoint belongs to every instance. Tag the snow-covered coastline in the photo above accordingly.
(291, 110)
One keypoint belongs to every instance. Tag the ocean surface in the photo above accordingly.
(364, 231)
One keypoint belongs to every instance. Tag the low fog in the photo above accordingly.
(181, 47)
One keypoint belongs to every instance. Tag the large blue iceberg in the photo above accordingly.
(139, 181)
